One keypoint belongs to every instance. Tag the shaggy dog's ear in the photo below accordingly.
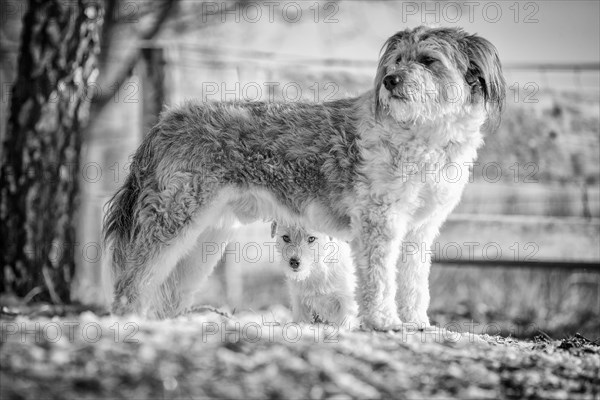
(484, 75)
(273, 229)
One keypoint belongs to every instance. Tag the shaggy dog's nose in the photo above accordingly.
(391, 81)
(294, 263)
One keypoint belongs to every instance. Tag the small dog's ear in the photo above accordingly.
(273, 229)
(330, 239)
(484, 75)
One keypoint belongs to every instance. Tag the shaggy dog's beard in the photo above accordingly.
(422, 95)
(419, 102)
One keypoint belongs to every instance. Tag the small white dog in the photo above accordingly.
(320, 276)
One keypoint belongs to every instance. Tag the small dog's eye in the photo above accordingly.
(311, 239)
(286, 238)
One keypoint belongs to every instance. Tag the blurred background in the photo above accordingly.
(521, 252)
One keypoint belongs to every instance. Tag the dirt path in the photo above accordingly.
(249, 356)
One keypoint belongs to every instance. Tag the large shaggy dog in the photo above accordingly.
(378, 170)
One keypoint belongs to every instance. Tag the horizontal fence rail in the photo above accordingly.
(519, 241)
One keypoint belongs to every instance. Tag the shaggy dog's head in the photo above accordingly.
(427, 74)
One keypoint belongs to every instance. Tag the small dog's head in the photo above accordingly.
(426, 74)
(301, 251)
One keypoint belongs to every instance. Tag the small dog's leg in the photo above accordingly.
(345, 313)
(375, 254)
(350, 312)
(300, 311)
(295, 303)
(306, 314)
(413, 276)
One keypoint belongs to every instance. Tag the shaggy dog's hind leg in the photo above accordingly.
(164, 228)
(138, 289)
(191, 271)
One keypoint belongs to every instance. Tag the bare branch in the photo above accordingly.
(129, 64)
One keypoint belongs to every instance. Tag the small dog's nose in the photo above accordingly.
(294, 263)
(391, 81)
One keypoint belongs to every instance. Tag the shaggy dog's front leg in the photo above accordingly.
(413, 276)
(375, 251)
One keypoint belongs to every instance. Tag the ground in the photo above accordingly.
(60, 352)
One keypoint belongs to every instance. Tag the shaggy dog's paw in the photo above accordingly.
(436, 334)
(350, 323)
(418, 318)
(122, 306)
(381, 322)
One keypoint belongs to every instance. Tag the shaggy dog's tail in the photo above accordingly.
(118, 230)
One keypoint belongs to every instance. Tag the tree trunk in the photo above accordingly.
(40, 162)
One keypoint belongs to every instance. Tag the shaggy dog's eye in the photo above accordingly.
(286, 238)
(426, 60)
(311, 239)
